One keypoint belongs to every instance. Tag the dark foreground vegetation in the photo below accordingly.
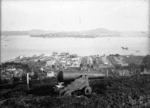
(109, 92)
(123, 92)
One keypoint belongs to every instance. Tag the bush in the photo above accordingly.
(123, 92)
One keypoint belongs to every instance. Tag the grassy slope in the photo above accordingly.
(107, 93)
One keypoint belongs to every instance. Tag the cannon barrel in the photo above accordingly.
(68, 76)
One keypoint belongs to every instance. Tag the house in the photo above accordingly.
(51, 74)
(54, 54)
(75, 64)
(104, 59)
(50, 63)
(145, 72)
(120, 61)
(12, 69)
(122, 72)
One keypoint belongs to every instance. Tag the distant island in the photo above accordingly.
(9, 33)
(93, 33)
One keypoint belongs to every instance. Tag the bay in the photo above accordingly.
(13, 46)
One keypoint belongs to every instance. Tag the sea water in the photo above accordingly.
(13, 46)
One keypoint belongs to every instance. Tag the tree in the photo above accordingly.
(146, 62)
(133, 68)
(117, 55)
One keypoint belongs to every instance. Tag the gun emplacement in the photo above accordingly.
(69, 76)
(78, 81)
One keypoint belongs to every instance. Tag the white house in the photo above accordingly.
(51, 74)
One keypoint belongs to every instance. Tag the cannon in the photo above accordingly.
(76, 81)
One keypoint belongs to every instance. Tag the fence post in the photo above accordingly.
(28, 81)
(107, 72)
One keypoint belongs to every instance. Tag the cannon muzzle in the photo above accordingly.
(68, 76)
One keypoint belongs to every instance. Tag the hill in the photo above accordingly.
(93, 33)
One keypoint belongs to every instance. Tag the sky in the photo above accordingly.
(65, 15)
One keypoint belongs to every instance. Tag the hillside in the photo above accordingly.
(92, 33)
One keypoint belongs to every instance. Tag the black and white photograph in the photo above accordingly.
(75, 54)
